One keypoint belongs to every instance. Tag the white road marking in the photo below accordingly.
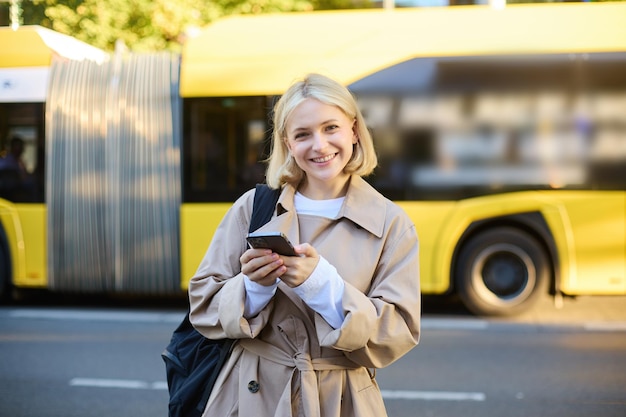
(83, 315)
(433, 395)
(454, 324)
(387, 394)
(159, 385)
(606, 327)
(110, 383)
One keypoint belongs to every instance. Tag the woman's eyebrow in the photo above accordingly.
(304, 128)
(299, 129)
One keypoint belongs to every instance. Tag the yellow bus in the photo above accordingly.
(502, 133)
(26, 56)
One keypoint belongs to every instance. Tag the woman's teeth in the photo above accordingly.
(324, 159)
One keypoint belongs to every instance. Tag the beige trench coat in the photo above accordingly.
(289, 361)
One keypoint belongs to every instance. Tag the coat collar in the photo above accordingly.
(363, 205)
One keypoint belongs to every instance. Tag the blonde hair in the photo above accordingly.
(281, 167)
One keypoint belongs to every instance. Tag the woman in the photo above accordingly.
(312, 328)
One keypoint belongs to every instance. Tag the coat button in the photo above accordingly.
(253, 386)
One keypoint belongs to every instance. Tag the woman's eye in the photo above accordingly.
(332, 127)
(301, 135)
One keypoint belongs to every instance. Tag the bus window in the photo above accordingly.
(470, 126)
(224, 144)
(21, 127)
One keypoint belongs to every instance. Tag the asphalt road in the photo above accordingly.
(85, 356)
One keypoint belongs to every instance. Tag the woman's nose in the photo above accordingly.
(319, 141)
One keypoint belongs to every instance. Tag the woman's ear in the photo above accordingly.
(355, 133)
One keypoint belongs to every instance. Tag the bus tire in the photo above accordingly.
(501, 272)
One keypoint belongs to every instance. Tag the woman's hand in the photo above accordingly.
(262, 266)
(297, 269)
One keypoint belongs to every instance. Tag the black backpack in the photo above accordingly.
(193, 362)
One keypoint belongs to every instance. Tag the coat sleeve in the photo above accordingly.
(219, 278)
(383, 324)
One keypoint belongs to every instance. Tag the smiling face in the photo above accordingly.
(320, 138)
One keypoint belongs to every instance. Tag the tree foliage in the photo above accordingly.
(153, 25)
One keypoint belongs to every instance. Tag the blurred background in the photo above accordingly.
(128, 128)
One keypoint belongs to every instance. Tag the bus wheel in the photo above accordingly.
(501, 272)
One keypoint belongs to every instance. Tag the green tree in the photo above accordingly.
(152, 25)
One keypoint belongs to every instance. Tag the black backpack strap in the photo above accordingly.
(192, 362)
(265, 199)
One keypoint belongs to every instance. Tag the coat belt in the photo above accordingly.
(302, 362)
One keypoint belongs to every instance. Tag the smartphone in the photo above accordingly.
(276, 241)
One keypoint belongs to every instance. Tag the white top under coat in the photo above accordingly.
(323, 284)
